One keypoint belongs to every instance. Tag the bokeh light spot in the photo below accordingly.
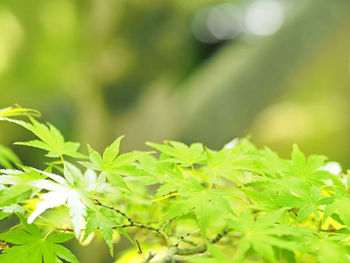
(224, 21)
(264, 17)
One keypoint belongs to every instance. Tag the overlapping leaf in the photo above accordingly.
(180, 153)
(105, 220)
(8, 158)
(194, 196)
(31, 247)
(60, 191)
(263, 234)
(114, 166)
(309, 168)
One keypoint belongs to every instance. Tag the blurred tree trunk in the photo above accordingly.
(94, 119)
(220, 100)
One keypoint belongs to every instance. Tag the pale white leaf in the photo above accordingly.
(46, 184)
(10, 179)
(50, 200)
(90, 178)
(10, 171)
(332, 167)
(55, 177)
(231, 144)
(77, 211)
(13, 209)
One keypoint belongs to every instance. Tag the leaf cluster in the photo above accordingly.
(237, 204)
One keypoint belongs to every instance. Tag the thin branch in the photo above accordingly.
(182, 238)
(191, 251)
(166, 224)
(97, 202)
(140, 225)
(133, 223)
(189, 242)
(174, 250)
(200, 248)
(220, 235)
(65, 229)
(150, 256)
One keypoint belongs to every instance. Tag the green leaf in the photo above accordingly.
(16, 112)
(201, 211)
(231, 164)
(60, 237)
(113, 166)
(300, 166)
(343, 210)
(116, 180)
(14, 194)
(51, 140)
(176, 210)
(262, 234)
(330, 250)
(8, 157)
(264, 249)
(181, 153)
(112, 151)
(193, 196)
(31, 247)
(298, 157)
(103, 219)
(4, 215)
(18, 237)
(95, 158)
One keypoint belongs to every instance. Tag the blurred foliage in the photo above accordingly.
(102, 68)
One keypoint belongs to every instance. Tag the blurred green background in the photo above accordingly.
(199, 70)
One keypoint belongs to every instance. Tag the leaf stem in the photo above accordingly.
(62, 160)
(164, 197)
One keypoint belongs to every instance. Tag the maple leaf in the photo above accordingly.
(194, 196)
(19, 190)
(67, 191)
(60, 191)
(9, 112)
(178, 152)
(31, 247)
(293, 193)
(103, 219)
(114, 166)
(232, 164)
(263, 234)
(167, 174)
(303, 167)
(50, 139)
